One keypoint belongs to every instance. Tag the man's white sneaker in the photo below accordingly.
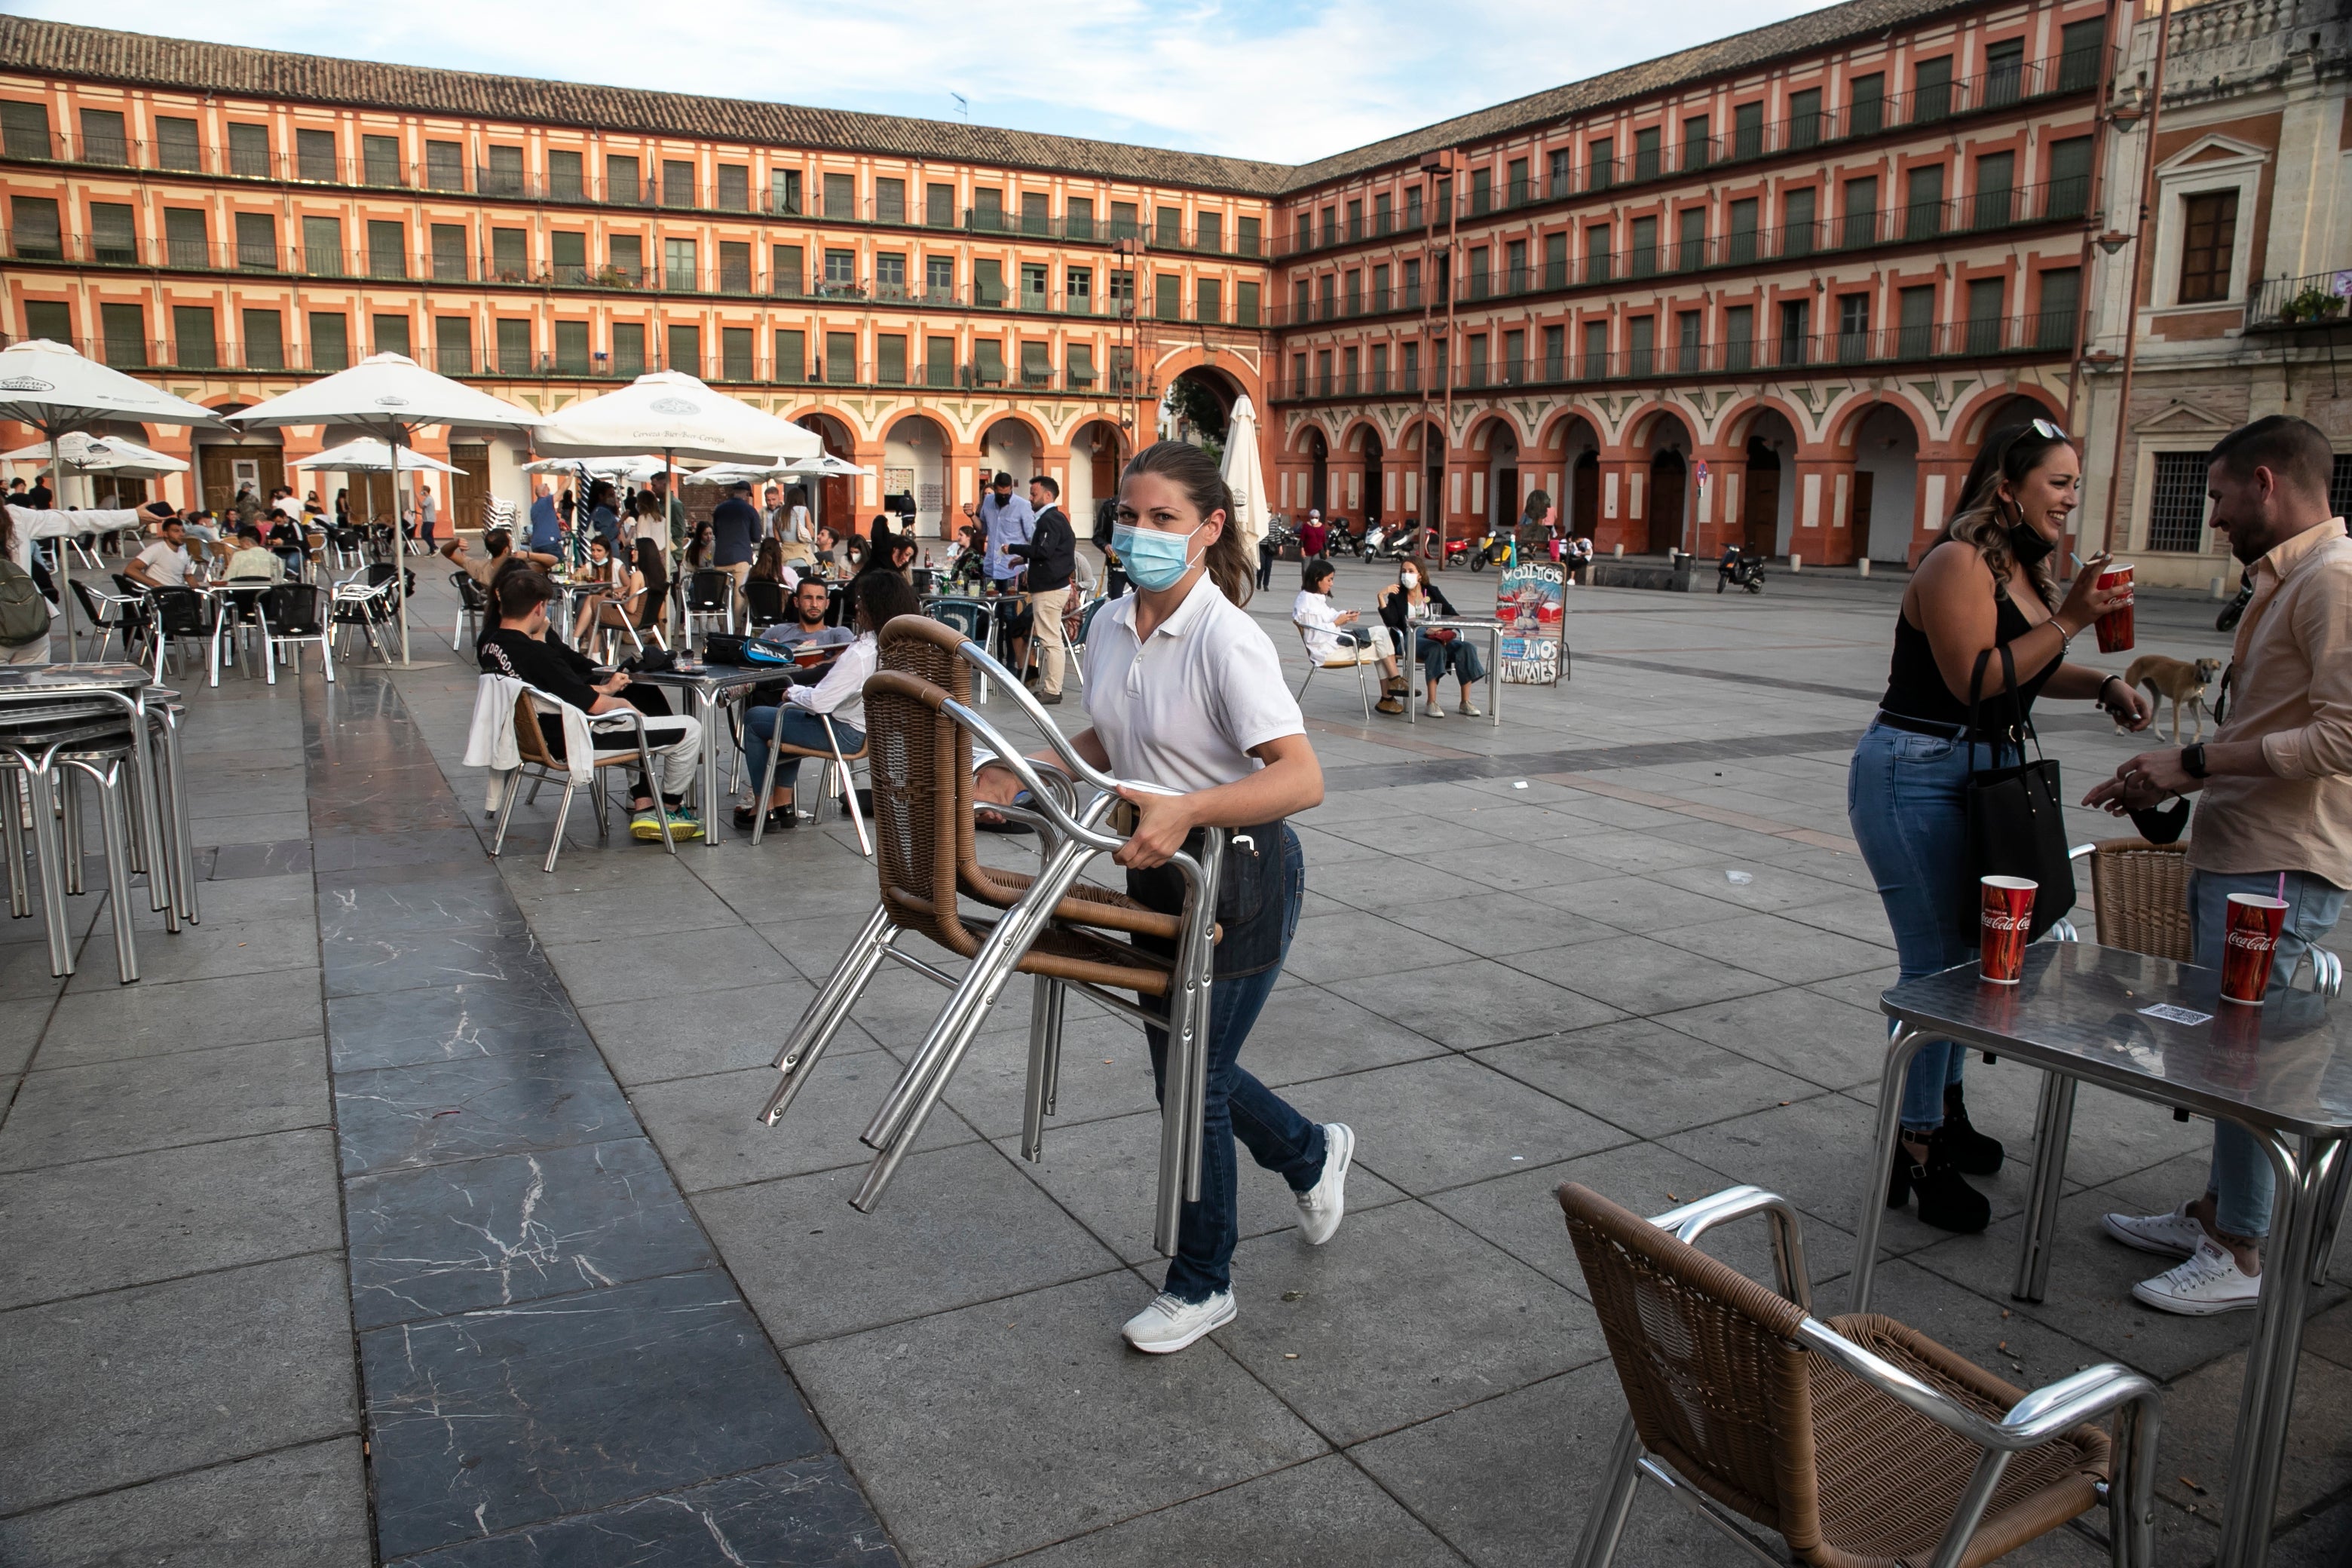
(2173, 1235)
(1321, 1205)
(1170, 1323)
(2210, 1282)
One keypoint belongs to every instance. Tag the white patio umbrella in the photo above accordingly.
(392, 396)
(1246, 474)
(824, 466)
(58, 392)
(88, 454)
(637, 469)
(368, 455)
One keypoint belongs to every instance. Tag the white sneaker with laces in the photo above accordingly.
(1171, 1323)
(2173, 1235)
(2211, 1281)
(1321, 1206)
(1467, 708)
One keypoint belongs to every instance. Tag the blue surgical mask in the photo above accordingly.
(1153, 559)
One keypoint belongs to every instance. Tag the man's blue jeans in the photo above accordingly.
(1905, 797)
(2241, 1182)
(793, 727)
(1238, 1106)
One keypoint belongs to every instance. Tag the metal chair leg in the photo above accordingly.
(48, 858)
(1605, 1525)
(827, 1011)
(69, 834)
(506, 811)
(12, 811)
(109, 780)
(555, 839)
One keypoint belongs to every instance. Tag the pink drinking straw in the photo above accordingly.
(2282, 892)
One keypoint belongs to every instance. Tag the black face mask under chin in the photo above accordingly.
(2027, 545)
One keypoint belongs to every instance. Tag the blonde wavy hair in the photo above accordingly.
(1984, 519)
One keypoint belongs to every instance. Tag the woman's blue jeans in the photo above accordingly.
(793, 727)
(1237, 1106)
(1905, 797)
(2241, 1181)
(1436, 657)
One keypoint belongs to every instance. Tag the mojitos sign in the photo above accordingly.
(1531, 602)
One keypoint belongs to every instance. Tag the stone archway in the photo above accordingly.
(1097, 452)
(832, 503)
(1767, 504)
(1366, 443)
(1318, 471)
(1668, 510)
(915, 460)
(1885, 483)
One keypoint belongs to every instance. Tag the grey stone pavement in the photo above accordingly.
(412, 1207)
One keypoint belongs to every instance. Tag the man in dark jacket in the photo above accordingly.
(735, 533)
(1051, 553)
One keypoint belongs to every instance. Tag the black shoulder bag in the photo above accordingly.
(2016, 825)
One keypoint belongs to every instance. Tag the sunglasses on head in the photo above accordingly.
(2046, 430)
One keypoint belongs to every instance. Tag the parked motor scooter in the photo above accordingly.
(1495, 549)
(1738, 569)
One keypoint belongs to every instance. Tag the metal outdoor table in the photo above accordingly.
(710, 685)
(1463, 624)
(2283, 1071)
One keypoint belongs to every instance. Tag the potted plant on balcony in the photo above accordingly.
(2314, 304)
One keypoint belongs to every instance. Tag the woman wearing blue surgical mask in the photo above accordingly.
(1185, 691)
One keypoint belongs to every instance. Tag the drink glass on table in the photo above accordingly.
(2248, 943)
(2007, 917)
(2115, 631)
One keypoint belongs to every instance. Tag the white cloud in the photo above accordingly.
(1260, 80)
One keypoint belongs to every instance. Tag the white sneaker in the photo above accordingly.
(1467, 708)
(2210, 1282)
(2173, 1235)
(1169, 1324)
(1432, 710)
(1321, 1205)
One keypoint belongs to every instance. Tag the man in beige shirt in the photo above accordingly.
(2274, 811)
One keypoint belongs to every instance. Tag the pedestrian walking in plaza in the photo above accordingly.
(1185, 691)
(1004, 519)
(1313, 535)
(1050, 555)
(1987, 584)
(2274, 814)
(735, 529)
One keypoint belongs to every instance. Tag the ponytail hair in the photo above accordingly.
(1195, 473)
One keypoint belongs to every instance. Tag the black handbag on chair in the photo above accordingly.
(2016, 823)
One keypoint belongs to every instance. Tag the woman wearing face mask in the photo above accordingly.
(1988, 583)
(1412, 600)
(1185, 691)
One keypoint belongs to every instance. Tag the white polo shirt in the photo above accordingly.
(1183, 709)
(167, 563)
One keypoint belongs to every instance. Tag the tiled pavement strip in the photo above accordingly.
(468, 1148)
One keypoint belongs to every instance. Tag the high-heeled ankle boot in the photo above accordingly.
(1945, 1201)
(1973, 1153)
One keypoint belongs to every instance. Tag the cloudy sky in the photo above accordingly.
(1250, 78)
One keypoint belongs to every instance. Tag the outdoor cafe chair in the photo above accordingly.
(364, 605)
(975, 618)
(180, 614)
(637, 618)
(112, 613)
(345, 547)
(837, 775)
(2139, 893)
(1347, 657)
(473, 604)
(1065, 935)
(1861, 1442)
(763, 603)
(43, 743)
(235, 615)
(291, 616)
(540, 764)
(710, 597)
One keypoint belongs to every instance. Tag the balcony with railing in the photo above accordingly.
(2314, 301)
(1983, 338)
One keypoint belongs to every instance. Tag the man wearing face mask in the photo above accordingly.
(1984, 587)
(2273, 813)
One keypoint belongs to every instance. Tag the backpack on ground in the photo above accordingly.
(24, 614)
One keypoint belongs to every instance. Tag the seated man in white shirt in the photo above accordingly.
(839, 698)
(164, 563)
(1333, 634)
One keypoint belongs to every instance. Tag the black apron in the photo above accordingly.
(1253, 899)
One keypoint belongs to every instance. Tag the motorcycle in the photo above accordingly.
(1383, 543)
(1738, 569)
(1494, 549)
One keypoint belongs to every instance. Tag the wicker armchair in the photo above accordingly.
(1862, 1443)
(2140, 893)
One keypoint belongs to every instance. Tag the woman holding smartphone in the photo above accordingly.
(1186, 692)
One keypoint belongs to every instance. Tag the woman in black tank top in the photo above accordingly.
(1985, 584)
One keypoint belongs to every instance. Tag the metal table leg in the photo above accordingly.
(2054, 1123)
(706, 705)
(1494, 677)
(2303, 1177)
(1900, 1049)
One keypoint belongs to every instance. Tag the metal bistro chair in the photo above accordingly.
(345, 547)
(921, 726)
(366, 606)
(976, 619)
(710, 597)
(472, 606)
(540, 764)
(763, 603)
(1349, 658)
(291, 616)
(180, 614)
(615, 619)
(112, 613)
(1862, 1443)
(43, 743)
(837, 775)
(236, 614)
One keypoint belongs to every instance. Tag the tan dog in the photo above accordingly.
(2176, 678)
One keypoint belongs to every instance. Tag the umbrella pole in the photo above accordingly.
(63, 554)
(400, 548)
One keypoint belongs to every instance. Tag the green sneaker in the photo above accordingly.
(684, 824)
(646, 826)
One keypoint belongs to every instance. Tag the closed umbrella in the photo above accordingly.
(1245, 474)
(58, 392)
(391, 396)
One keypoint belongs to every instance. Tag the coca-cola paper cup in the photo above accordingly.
(2008, 920)
(2115, 631)
(2248, 942)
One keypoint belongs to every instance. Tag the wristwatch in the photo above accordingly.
(2192, 759)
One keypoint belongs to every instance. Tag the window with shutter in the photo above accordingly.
(2062, 299)
(890, 201)
(1123, 222)
(113, 237)
(25, 130)
(628, 350)
(684, 346)
(391, 335)
(1917, 314)
(265, 340)
(1796, 331)
(1078, 218)
(1687, 329)
(256, 241)
(938, 205)
(1168, 296)
(988, 209)
(175, 143)
(1247, 240)
(1596, 350)
(1748, 130)
(1037, 364)
(677, 182)
(503, 176)
(185, 241)
(572, 348)
(1596, 253)
(314, 154)
(735, 191)
(623, 186)
(445, 166)
(1866, 110)
(1645, 246)
(988, 283)
(1080, 359)
(2082, 47)
(1698, 147)
(329, 336)
(1208, 300)
(735, 267)
(514, 346)
(1805, 117)
(988, 362)
(1995, 200)
(1036, 213)
(380, 161)
(569, 253)
(791, 354)
(453, 345)
(938, 362)
(1646, 154)
(627, 257)
(102, 137)
(1985, 303)
(1739, 337)
(194, 344)
(1245, 305)
(1690, 240)
(735, 355)
(2208, 245)
(1923, 200)
(322, 246)
(1796, 230)
(124, 329)
(2004, 80)
(787, 273)
(567, 176)
(1643, 345)
(890, 358)
(840, 197)
(510, 255)
(1931, 89)
(1208, 232)
(448, 240)
(2070, 177)
(1859, 224)
(35, 234)
(387, 246)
